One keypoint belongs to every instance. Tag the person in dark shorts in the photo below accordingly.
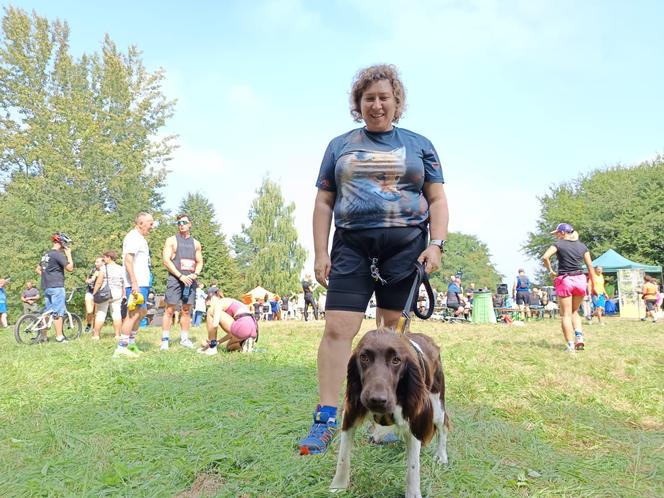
(521, 293)
(183, 258)
(309, 300)
(454, 300)
(649, 295)
(384, 186)
(569, 281)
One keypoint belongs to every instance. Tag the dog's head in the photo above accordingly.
(384, 371)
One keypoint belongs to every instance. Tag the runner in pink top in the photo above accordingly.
(235, 318)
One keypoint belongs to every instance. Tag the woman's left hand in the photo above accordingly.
(430, 258)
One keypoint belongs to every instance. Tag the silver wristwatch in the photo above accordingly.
(440, 244)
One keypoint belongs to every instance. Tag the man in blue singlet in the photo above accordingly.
(521, 293)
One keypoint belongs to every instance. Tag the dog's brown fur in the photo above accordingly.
(386, 370)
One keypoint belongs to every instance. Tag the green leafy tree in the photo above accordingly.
(267, 250)
(79, 144)
(468, 254)
(218, 262)
(617, 208)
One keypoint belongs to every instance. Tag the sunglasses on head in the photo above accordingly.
(182, 222)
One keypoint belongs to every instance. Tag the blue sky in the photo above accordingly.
(516, 95)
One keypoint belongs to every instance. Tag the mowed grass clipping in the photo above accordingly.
(528, 420)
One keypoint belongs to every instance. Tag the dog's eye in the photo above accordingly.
(364, 358)
(396, 361)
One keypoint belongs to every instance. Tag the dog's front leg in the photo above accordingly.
(342, 477)
(413, 473)
(439, 421)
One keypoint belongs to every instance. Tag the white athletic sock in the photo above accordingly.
(184, 335)
(164, 335)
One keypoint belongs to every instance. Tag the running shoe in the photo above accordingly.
(578, 342)
(164, 345)
(248, 345)
(320, 435)
(186, 343)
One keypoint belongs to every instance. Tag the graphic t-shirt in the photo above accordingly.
(378, 178)
(134, 243)
(53, 269)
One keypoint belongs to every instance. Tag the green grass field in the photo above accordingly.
(528, 420)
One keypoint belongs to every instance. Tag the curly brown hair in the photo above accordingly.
(366, 77)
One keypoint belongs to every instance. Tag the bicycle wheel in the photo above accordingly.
(28, 329)
(72, 326)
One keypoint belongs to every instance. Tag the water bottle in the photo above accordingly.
(186, 292)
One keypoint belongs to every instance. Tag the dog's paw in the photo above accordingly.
(338, 487)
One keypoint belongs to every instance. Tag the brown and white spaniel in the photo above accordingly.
(397, 379)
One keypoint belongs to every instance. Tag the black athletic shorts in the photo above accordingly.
(523, 297)
(174, 290)
(350, 282)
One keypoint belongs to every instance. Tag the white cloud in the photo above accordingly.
(512, 29)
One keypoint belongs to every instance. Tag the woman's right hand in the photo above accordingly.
(322, 265)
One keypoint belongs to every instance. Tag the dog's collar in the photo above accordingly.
(417, 347)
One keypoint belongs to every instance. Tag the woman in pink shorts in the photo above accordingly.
(569, 281)
(234, 318)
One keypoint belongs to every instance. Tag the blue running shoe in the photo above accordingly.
(320, 436)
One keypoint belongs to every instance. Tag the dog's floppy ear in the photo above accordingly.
(413, 397)
(354, 410)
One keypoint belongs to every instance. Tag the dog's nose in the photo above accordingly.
(378, 400)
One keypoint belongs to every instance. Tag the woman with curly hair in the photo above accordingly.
(384, 186)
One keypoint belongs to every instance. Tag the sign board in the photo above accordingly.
(630, 283)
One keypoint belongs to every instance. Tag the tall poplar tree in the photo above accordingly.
(268, 252)
(79, 146)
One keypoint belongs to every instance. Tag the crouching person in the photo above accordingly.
(235, 319)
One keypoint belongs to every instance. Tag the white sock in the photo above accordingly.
(184, 335)
(164, 335)
(570, 345)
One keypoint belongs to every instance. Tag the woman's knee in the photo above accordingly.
(342, 325)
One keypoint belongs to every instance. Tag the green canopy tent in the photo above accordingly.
(611, 262)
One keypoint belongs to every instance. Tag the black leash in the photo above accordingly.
(421, 277)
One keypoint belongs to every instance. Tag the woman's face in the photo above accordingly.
(378, 106)
(99, 262)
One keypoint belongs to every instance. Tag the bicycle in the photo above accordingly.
(31, 328)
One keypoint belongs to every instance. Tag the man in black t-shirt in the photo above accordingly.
(307, 288)
(52, 268)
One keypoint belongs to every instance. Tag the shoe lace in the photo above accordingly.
(322, 432)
